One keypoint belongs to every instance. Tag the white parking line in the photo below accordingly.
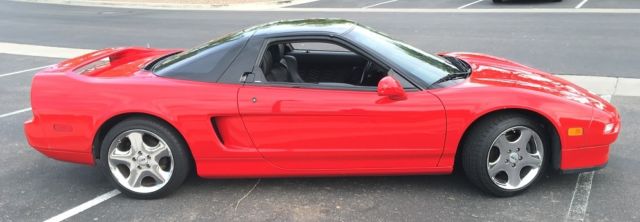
(464, 6)
(15, 112)
(381, 3)
(41, 51)
(581, 3)
(21, 71)
(580, 199)
(84, 206)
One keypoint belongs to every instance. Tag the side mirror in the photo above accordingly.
(391, 88)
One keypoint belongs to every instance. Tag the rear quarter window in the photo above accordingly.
(206, 62)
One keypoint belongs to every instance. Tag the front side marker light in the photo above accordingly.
(575, 131)
(609, 128)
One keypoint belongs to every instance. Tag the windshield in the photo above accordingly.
(427, 67)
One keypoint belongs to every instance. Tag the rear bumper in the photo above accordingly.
(584, 159)
(72, 157)
(36, 136)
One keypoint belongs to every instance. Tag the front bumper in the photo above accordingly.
(582, 170)
(584, 159)
(601, 134)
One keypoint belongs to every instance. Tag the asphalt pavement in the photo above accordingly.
(35, 188)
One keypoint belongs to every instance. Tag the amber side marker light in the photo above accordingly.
(576, 131)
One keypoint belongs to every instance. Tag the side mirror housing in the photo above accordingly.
(390, 87)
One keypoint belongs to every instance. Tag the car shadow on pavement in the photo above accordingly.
(371, 198)
(368, 198)
(454, 183)
(528, 2)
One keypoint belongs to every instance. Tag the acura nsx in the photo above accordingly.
(314, 97)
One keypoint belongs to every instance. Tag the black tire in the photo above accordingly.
(498, 1)
(181, 158)
(480, 138)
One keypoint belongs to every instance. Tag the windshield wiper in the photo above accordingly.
(451, 76)
(458, 63)
(463, 66)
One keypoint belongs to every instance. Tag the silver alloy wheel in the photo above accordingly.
(140, 161)
(515, 158)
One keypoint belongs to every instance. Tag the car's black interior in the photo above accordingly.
(282, 62)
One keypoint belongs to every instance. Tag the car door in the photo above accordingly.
(304, 127)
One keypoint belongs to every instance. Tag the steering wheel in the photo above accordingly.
(364, 71)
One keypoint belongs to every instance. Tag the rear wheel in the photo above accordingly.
(144, 158)
(504, 155)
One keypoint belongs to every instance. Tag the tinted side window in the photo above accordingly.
(318, 46)
(321, 63)
(204, 63)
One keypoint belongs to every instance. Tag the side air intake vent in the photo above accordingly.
(215, 129)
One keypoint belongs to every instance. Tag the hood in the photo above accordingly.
(490, 70)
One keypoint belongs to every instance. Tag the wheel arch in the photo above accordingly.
(111, 122)
(550, 127)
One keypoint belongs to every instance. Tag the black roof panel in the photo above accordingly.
(332, 26)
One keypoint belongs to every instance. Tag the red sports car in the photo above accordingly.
(318, 97)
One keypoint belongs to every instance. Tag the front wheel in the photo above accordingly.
(504, 155)
(144, 158)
